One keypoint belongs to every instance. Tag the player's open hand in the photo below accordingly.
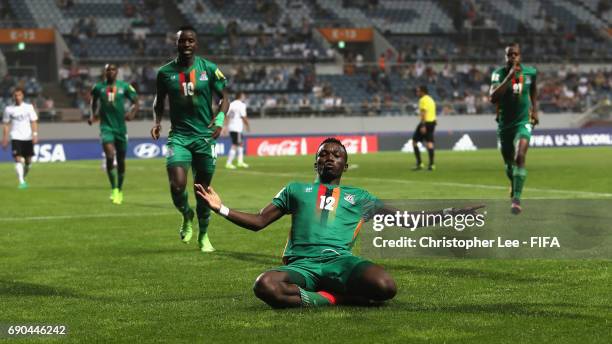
(155, 131)
(534, 119)
(209, 196)
(90, 121)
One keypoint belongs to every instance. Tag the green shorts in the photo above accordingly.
(509, 137)
(198, 152)
(117, 137)
(330, 273)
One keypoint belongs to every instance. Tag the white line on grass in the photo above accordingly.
(81, 216)
(451, 184)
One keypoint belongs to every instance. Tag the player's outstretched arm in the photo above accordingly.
(254, 222)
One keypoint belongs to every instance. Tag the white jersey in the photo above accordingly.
(20, 117)
(237, 110)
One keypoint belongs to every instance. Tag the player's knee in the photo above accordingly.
(385, 288)
(266, 289)
(177, 188)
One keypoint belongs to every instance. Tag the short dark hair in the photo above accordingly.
(336, 141)
(513, 44)
(19, 89)
(187, 28)
(423, 88)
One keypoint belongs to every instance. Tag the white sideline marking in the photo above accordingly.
(452, 184)
(82, 216)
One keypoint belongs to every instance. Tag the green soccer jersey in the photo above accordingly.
(513, 106)
(112, 108)
(326, 219)
(189, 91)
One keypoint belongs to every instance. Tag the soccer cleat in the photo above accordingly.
(204, 243)
(230, 166)
(186, 230)
(516, 206)
(22, 186)
(118, 198)
(243, 165)
(114, 194)
(418, 167)
(431, 168)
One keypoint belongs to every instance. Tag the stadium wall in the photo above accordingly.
(317, 125)
(61, 150)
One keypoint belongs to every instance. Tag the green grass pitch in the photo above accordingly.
(120, 274)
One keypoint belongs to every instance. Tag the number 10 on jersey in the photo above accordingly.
(187, 88)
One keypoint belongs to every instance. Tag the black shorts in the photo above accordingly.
(236, 137)
(430, 127)
(22, 148)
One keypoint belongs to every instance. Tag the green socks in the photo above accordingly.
(519, 174)
(112, 177)
(316, 299)
(120, 177)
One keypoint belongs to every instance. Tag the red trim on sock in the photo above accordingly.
(331, 298)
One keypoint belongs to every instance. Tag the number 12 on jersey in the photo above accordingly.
(327, 203)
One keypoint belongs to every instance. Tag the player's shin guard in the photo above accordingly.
(203, 212)
(181, 202)
(509, 172)
(240, 154)
(316, 299)
(19, 170)
(519, 174)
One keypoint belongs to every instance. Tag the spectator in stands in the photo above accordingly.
(67, 60)
(91, 27)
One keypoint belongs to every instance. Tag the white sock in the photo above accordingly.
(232, 154)
(240, 155)
(19, 170)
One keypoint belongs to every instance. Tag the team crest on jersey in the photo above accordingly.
(350, 198)
(203, 76)
(173, 77)
(120, 91)
(308, 189)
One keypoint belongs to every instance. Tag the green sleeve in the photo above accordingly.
(370, 205)
(282, 200)
(94, 90)
(218, 79)
(496, 78)
(130, 92)
(160, 84)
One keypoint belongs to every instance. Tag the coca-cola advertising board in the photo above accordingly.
(305, 145)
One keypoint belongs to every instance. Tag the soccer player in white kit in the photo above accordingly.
(22, 120)
(236, 120)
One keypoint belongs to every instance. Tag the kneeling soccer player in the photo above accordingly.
(326, 218)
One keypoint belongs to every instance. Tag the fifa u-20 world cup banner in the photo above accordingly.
(473, 140)
(65, 150)
(306, 145)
